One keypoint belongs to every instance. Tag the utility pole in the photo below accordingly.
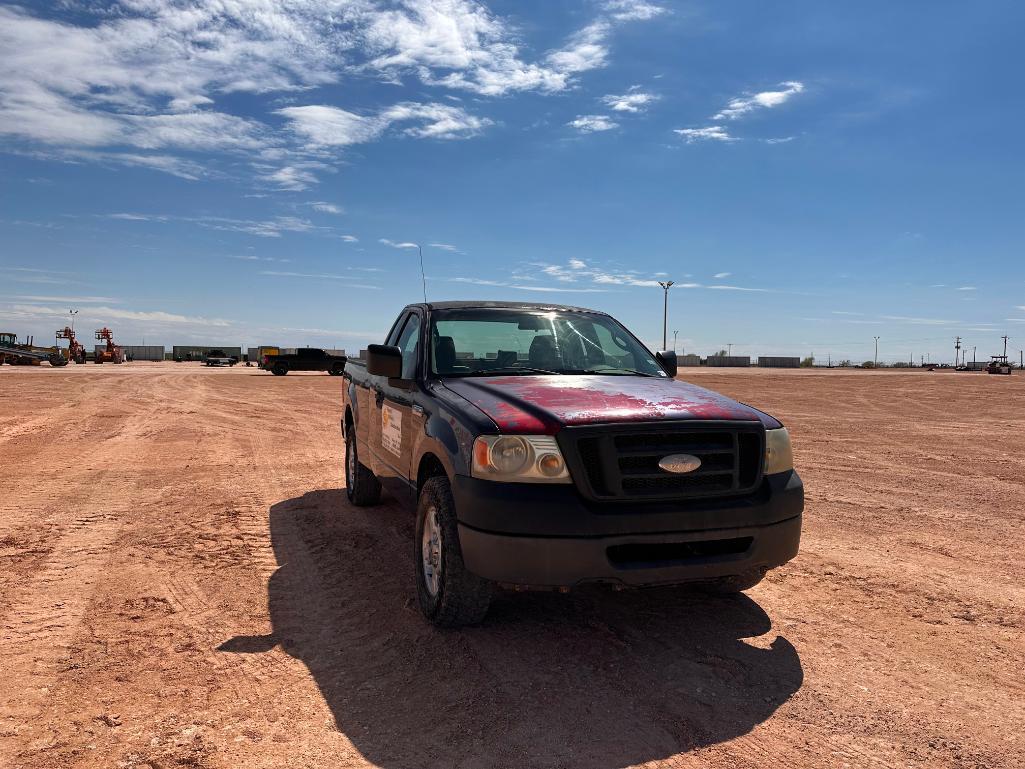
(674, 340)
(875, 360)
(665, 310)
(729, 349)
(973, 356)
(1004, 337)
(957, 350)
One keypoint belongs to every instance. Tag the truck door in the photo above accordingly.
(394, 412)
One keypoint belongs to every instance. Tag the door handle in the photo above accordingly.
(418, 409)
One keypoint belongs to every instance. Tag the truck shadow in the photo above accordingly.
(591, 679)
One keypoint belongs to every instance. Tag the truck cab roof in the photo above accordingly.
(488, 305)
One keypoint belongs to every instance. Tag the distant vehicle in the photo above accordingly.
(999, 365)
(304, 359)
(219, 358)
(545, 446)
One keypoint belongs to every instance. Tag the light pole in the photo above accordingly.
(665, 310)
(72, 313)
(875, 361)
(675, 333)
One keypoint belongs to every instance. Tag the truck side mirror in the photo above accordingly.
(667, 360)
(384, 360)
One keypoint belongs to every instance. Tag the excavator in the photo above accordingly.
(76, 350)
(112, 353)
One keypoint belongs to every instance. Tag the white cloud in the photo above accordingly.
(395, 244)
(325, 207)
(634, 100)
(66, 299)
(253, 258)
(325, 126)
(319, 276)
(736, 288)
(967, 288)
(577, 264)
(592, 123)
(443, 246)
(633, 10)
(103, 314)
(720, 275)
(762, 100)
(920, 321)
(710, 133)
(267, 228)
(139, 76)
(295, 178)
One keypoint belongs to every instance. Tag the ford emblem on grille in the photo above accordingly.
(679, 463)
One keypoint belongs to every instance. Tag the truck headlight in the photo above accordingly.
(519, 458)
(779, 457)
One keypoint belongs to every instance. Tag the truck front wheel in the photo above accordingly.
(280, 369)
(361, 485)
(449, 595)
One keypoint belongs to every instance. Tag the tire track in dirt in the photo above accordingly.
(45, 614)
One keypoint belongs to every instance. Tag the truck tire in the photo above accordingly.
(336, 369)
(361, 485)
(735, 584)
(449, 595)
(280, 369)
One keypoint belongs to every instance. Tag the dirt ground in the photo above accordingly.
(183, 583)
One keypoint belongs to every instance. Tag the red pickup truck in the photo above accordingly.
(545, 446)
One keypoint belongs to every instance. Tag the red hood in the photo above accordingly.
(544, 404)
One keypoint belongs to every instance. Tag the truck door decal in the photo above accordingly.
(391, 429)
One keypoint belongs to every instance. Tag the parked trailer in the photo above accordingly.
(778, 362)
(182, 352)
(689, 360)
(730, 361)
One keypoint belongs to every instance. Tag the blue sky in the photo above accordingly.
(251, 172)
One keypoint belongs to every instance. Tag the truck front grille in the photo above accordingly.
(622, 463)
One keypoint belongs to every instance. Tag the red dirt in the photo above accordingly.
(183, 583)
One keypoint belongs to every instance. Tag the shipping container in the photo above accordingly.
(732, 361)
(778, 362)
(143, 351)
(688, 360)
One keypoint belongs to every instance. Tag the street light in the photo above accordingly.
(665, 310)
(72, 313)
(674, 340)
(875, 361)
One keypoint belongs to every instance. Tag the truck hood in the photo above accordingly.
(545, 404)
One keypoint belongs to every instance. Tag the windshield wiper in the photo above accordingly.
(616, 372)
(511, 370)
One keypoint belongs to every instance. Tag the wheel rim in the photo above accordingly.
(431, 551)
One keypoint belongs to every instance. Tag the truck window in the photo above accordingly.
(409, 343)
(468, 342)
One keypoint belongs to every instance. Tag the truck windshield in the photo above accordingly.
(482, 342)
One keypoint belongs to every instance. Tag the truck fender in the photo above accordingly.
(440, 440)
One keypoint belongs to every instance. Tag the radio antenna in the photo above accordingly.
(423, 278)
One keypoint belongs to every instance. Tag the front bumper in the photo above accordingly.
(546, 535)
(566, 562)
